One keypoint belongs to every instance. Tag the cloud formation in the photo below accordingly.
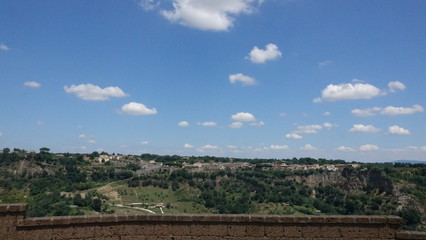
(244, 79)
(148, 5)
(207, 124)
(324, 63)
(236, 125)
(396, 86)
(207, 15)
(401, 110)
(397, 130)
(389, 110)
(243, 117)
(209, 147)
(187, 145)
(345, 149)
(183, 124)
(270, 52)
(348, 91)
(369, 147)
(257, 124)
(3, 47)
(354, 91)
(278, 147)
(308, 147)
(293, 136)
(308, 129)
(364, 128)
(32, 84)
(92, 92)
(134, 108)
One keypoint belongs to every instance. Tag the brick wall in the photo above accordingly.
(15, 226)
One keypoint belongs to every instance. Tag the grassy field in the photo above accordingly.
(181, 201)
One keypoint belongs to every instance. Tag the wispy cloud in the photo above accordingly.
(323, 64)
(3, 47)
(207, 124)
(364, 128)
(389, 110)
(32, 84)
(183, 124)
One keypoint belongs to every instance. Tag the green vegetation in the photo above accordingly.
(75, 184)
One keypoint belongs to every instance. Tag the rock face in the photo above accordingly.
(349, 179)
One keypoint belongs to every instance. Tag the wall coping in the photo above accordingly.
(13, 208)
(410, 235)
(392, 221)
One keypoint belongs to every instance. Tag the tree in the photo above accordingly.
(44, 150)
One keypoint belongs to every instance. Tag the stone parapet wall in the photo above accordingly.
(15, 226)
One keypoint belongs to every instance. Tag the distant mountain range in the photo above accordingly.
(409, 161)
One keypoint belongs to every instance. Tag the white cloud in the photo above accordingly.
(1, 134)
(91, 141)
(308, 129)
(345, 149)
(348, 91)
(401, 110)
(366, 112)
(134, 108)
(278, 147)
(83, 136)
(94, 93)
(395, 86)
(257, 124)
(389, 110)
(326, 114)
(208, 15)
(207, 124)
(244, 79)
(308, 147)
(236, 125)
(243, 117)
(4, 47)
(183, 124)
(368, 147)
(39, 122)
(282, 114)
(271, 52)
(398, 130)
(145, 142)
(231, 147)
(364, 128)
(293, 136)
(32, 84)
(188, 145)
(324, 63)
(423, 148)
(209, 147)
(327, 125)
(148, 5)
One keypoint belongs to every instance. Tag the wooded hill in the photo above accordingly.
(76, 184)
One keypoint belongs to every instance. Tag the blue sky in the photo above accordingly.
(238, 78)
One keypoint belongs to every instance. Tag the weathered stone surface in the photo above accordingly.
(14, 226)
